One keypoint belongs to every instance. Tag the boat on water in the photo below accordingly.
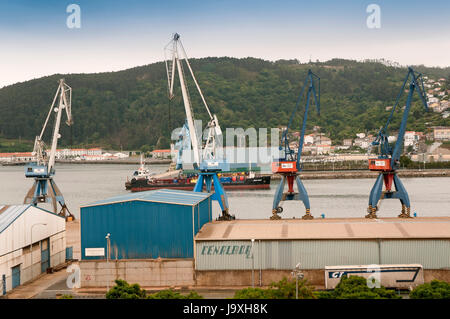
(143, 179)
(182, 182)
(142, 173)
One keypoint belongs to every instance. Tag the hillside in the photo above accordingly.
(130, 108)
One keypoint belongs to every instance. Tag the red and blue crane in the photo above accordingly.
(388, 160)
(289, 166)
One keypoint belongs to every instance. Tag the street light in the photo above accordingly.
(107, 258)
(297, 273)
(253, 266)
(31, 246)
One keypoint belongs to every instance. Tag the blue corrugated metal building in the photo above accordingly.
(160, 223)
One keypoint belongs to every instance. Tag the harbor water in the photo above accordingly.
(85, 183)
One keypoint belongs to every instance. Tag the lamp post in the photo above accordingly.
(253, 266)
(31, 246)
(297, 273)
(107, 258)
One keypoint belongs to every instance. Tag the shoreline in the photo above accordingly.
(352, 174)
(304, 174)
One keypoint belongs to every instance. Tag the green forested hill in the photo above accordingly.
(130, 108)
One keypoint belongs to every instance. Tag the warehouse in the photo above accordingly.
(22, 226)
(225, 252)
(150, 241)
(152, 224)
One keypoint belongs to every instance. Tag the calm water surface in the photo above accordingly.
(85, 183)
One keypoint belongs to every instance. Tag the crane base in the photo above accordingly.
(405, 212)
(226, 216)
(275, 216)
(372, 212)
(308, 216)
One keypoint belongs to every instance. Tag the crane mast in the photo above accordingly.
(206, 160)
(42, 169)
(388, 160)
(289, 165)
(176, 51)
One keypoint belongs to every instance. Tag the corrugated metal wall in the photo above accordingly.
(141, 229)
(431, 254)
(316, 254)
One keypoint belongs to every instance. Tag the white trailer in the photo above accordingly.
(389, 276)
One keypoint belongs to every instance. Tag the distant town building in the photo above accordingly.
(321, 139)
(412, 139)
(441, 133)
(309, 139)
(161, 154)
(347, 142)
(16, 157)
(361, 135)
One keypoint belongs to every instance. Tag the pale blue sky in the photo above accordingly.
(115, 35)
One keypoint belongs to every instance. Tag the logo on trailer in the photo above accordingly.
(336, 274)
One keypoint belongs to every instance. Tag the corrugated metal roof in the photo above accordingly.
(8, 214)
(344, 228)
(168, 196)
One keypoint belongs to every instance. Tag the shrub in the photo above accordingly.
(436, 289)
(284, 289)
(123, 290)
(170, 294)
(355, 287)
(252, 293)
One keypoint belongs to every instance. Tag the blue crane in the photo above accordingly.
(388, 160)
(44, 189)
(289, 165)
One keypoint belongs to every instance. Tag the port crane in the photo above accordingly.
(42, 169)
(206, 160)
(289, 165)
(388, 160)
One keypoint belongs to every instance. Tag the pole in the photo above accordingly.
(296, 286)
(107, 259)
(253, 266)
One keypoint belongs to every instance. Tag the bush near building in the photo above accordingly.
(123, 290)
(284, 289)
(170, 294)
(355, 287)
(435, 289)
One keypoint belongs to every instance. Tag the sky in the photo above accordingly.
(115, 35)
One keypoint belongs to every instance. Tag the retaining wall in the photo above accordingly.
(145, 272)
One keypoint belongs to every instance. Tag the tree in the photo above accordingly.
(405, 161)
(355, 287)
(435, 289)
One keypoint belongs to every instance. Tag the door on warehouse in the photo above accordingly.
(45, 255)
(15, 274)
